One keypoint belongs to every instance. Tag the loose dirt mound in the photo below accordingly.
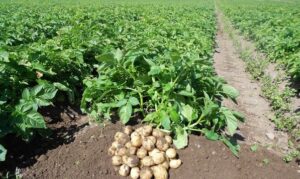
(87, 157)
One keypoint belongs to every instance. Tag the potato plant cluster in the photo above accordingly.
(143, 153)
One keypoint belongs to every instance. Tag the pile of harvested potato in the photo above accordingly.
(143, 153)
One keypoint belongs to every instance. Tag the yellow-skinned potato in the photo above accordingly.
(147, 161)
(146, 131)
(146, 173)
(158, 157)
(157, 133)
(152, 138)
(165, 164)
(128, 130)
(134, 134)
(139, 130)
(169, 139)
(116, 145)
(116, 160)
(135, 173)
(159, 172)
(111, 151)
(118, 135)
(128, 145)
(148, 144)
(122, 151)
(132, 150)
(141, 152)
(132, 161)
(123, 138)
(162, 144)
(136, 141)
(175, 163)
(171, 153)
(154, 151)
(124, 170)
(124, 159)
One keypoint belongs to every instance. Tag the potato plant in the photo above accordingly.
(275, 30)
(165, 74)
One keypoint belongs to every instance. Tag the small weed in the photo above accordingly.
(254, 148)
(266, 161)
(290, 156)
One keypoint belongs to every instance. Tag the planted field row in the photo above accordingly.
(152, 61)
(23, 25)
(275, 30)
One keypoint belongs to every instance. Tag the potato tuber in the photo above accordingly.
(124, 170)
(132, 161)
(128, 130)
(117, 160)
(122, 151)
(111, 151)
(157, 133)
(158, 157)
(169, 139)
(159, 172)
(147, 161)
(146, 131)
(162, 144)
(132, 150)
(146, 173)
(136, 140)
(135, 173)
(171, 153)
(141, 152)
(175, 163)
(148, 144)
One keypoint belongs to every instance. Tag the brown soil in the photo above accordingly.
(258, 128)
(87, 157)
(63, 121)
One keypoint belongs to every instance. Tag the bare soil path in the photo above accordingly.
(257, 127)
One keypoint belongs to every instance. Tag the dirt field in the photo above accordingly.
(86, 157)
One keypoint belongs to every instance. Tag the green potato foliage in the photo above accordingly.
(152, 59)
(273, 26)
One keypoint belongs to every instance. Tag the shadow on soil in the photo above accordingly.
(62, 121)
(296, 86)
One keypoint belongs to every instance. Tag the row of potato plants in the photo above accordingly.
(154, 61)
(273, 26)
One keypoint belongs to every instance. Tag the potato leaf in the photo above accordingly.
(211, 135)
(133, 101)
(125, 113)
(181, 138)
(107, 58)
(165, 120)
(188, 112)
(231, 120)
(232, 145)
(3, 152)
(154, 70)
(230, 91)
